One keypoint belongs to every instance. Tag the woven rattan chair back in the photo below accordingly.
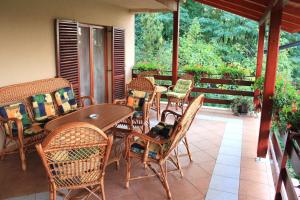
(75, 155)
(141, 84)
(184, 123)
(188, 77)
(149, 73)
(19, 92)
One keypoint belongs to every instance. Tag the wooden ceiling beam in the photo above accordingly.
(272, 3)
(247, 4)
(229, 9)
(258, 2)
(148, 10)
(239, 6)
(170, 4)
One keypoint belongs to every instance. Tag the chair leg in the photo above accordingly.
(102, 189)
(178, 163)
(186, 144)
(128, 166)
(52, 192)
(168, 104)
(22, 155)
(164, 180)
(3, 148)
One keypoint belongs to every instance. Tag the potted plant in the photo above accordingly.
(233, 72)
(203, 71)
(241, 105)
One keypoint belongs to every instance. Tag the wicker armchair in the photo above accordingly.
(149, 73)
(140, 118)
(151, 149)
(75, 156)
(177, 97)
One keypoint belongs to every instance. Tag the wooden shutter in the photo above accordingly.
(67, 52)
(118, 63)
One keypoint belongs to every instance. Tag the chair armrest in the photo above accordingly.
(18, 124)
(83, 98)
(145, 137)
(171, 87)
(165, 113)
(120, 101)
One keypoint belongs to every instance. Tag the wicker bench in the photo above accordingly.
(22, 93)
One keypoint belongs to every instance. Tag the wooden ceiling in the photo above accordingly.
(259, 10)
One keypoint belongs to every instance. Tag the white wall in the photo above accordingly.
(27, 34)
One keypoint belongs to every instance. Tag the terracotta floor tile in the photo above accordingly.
(205, 136)
(255, 190)
(254, 175)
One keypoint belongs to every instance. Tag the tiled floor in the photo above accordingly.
(223, 148)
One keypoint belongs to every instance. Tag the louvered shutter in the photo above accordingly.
(67, 52)
(118, 63)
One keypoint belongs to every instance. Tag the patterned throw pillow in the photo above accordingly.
(136, 99)
(17, 110)
(182, 86)
(43, 107)
(162, 129)
(65, 99)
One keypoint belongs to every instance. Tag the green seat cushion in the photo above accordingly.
(151, 79)
(137, 99)
(43, 107)
(182, 86)
(18, 111)
(65, 99)
(175, 94)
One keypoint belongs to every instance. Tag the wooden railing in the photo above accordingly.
(286, 187)
(208, 86)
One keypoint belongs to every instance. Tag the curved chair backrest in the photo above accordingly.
(75, 155)
(184, 123)
(149, 73)
(141, 84)
(188, 77)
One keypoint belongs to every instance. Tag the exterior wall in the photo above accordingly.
(27, 34)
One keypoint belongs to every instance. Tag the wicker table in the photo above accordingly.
(159, 91)
(109, 116)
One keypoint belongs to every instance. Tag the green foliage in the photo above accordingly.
(200, 70)
(234, 71)
(194, 51)
(145, 66)
(259, 84)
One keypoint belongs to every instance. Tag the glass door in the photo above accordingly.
(93, 78)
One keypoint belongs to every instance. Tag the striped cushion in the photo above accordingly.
(66, 100)
(43, 107)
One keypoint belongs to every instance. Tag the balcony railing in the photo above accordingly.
(213, 84)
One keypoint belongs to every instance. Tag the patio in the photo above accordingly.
(223, 149)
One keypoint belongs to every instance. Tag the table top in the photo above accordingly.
(109, 115)
(161, 89)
